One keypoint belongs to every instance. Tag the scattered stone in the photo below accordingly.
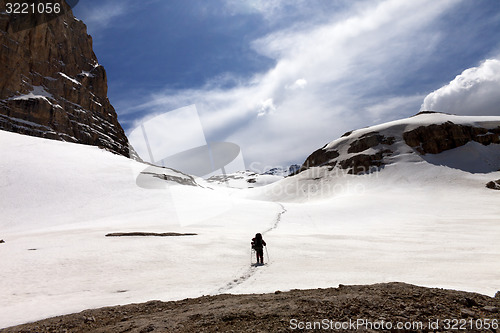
(2, 241)
(89, 319)
(466, 313)
(492, 309)
(470, 302)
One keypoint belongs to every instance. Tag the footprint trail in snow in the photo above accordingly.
(253, 269)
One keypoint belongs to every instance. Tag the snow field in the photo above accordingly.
(414, 222)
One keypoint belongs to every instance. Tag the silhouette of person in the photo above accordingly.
(258, 245)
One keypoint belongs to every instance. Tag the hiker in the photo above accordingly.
(258, 245)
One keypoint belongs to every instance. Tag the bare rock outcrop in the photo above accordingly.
(434, 139)
(364, 163)
(357, 160)
(494, 184)
(321, 157)
(369, 140)
(52, 86)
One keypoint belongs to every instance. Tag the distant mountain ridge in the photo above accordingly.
(426, 135)
(279, 171)
(250, 179)
(52, 86)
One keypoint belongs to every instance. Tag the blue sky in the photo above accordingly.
(281, 78)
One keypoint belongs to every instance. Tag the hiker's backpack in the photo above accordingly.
(257, 242)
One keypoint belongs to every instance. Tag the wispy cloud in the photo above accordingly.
(342, 73)
(476, 91)
(98, 17)
(270, 9)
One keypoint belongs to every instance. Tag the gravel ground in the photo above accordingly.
(370, 308)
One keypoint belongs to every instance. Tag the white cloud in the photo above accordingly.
(476, 91)
(344, 61)
(299, 84)
(98, 17)
(266, 107)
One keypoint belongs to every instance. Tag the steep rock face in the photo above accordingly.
(434, 139)
(367, 150)
(321, 157)
(52, 86)
(361, 156)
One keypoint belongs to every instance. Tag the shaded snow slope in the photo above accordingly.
(473, 157)
(414, 222)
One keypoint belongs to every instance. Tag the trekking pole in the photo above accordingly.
(267, 254)
(251, 254)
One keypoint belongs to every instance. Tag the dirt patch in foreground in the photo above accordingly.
(379, 305)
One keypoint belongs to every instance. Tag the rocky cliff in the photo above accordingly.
(51, 84)
(427, 133)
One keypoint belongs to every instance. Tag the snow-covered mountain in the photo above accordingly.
(425, 219)
(243, 179)
(279, 171)
(251, 179)
(428, 135)
(414, 150)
